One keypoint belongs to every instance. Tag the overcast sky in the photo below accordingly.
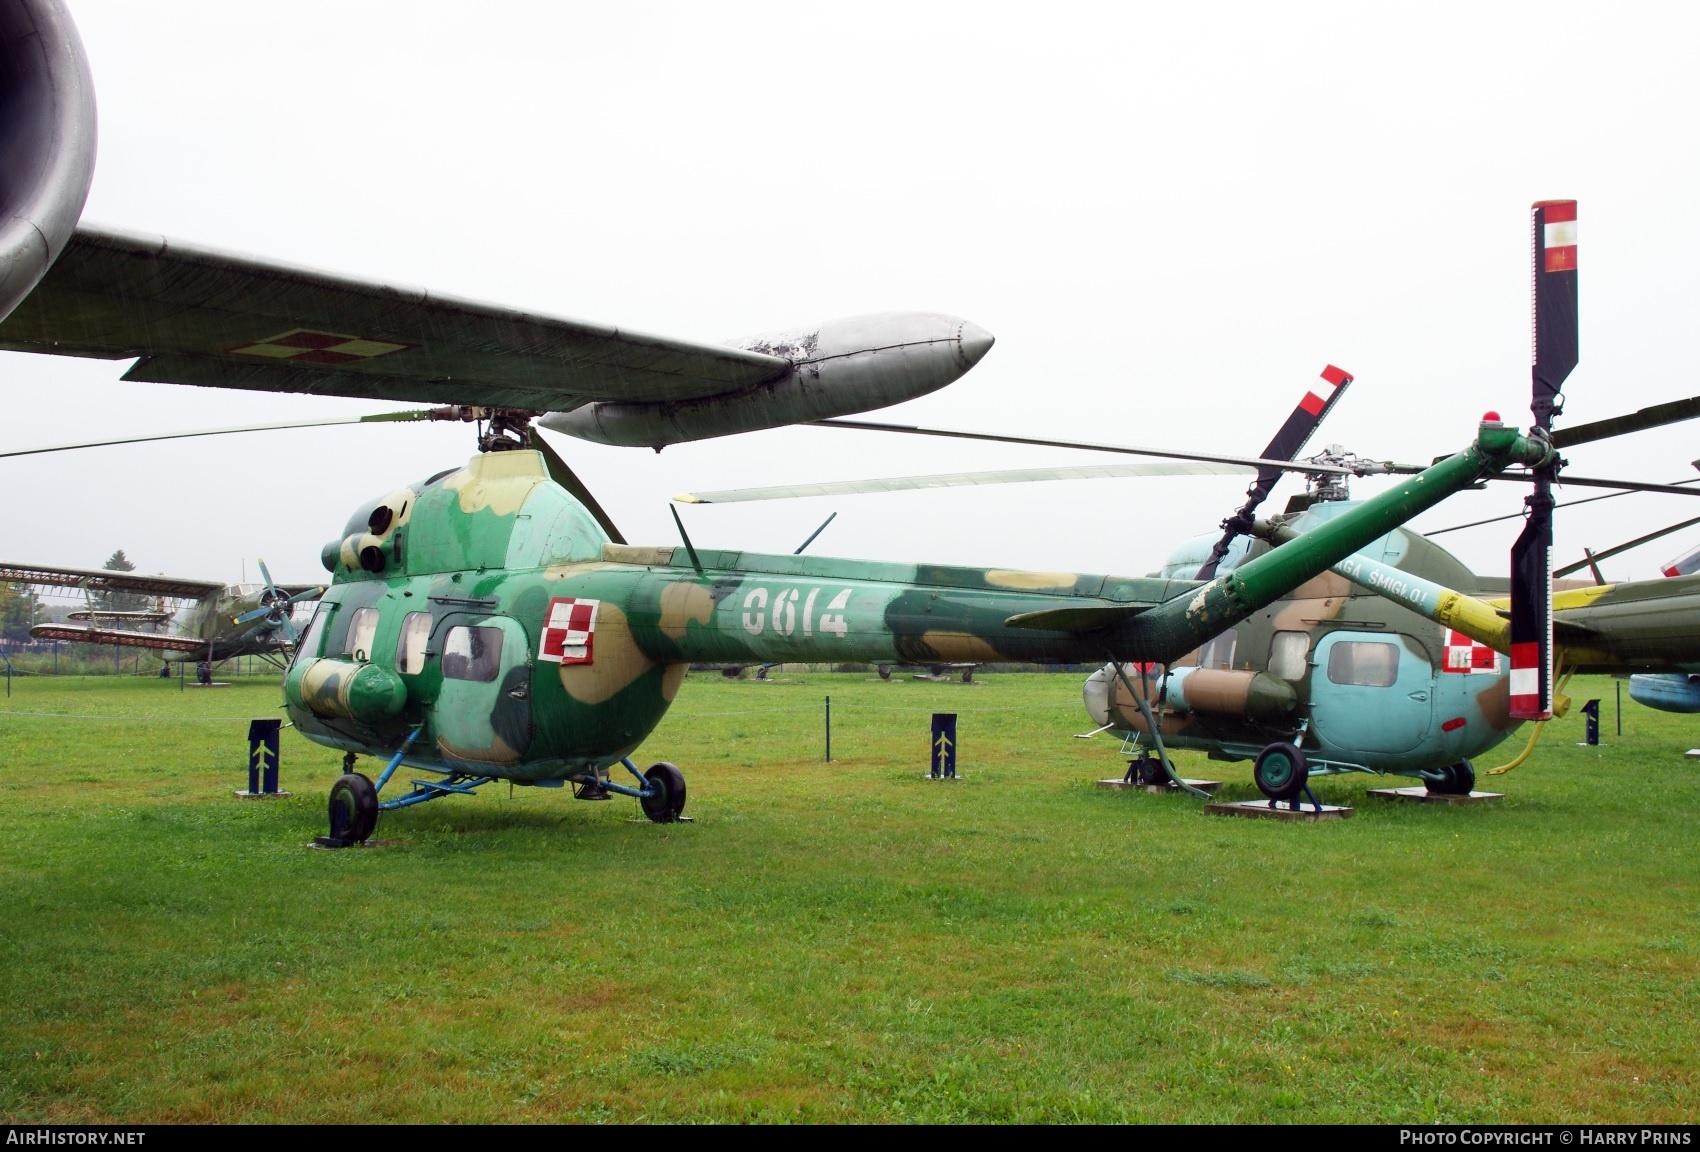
(1171, 217)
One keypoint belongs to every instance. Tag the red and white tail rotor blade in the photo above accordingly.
(1556, 350)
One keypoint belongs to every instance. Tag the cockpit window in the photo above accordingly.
(472, 653)
(362, 627)
(410, 648)
(1287, 654)
(1219, 652)
(315, 634)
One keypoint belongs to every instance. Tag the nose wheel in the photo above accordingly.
(1455, 780)
(666, 787)
(1280, 771)
(353, 810)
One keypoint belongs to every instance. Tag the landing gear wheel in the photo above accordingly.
(968, 675)
(1280, 771)
(203, 673)
(669, 798)
(1456, 780)
(354, 808)
(884, 670)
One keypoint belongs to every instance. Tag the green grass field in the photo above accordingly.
(843, 942)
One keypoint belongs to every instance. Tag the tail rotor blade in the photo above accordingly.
(1555, 354)
(1531, 615)
(1556, 340)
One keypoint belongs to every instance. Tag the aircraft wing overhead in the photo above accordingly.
(103, 581)
(200, 316)
(111, 637)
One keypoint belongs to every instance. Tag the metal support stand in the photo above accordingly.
(1156, 736)
(1294, 803)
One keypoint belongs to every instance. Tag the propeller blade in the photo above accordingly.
(1315, 405)
(1622, 548)
(266, 576)
(1556, 352)
(1252, 462)
(1640, 420)
(310, 594)
(569, 480)
(417, 414)
(961, 479)
(251, 615)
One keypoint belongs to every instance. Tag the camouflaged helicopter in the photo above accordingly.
(1348, 672)
(483, 625)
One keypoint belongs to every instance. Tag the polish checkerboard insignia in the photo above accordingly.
(569, 631)
(305, 346)
(1466, 655)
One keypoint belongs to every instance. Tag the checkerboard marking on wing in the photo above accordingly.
(303, 345)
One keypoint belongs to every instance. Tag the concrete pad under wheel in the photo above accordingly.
(1120, 785)
(1424, 796)
(1260, 810)
(244, 794)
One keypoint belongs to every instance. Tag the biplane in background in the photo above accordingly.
(200, 620)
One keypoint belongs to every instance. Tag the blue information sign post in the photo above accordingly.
(262, 758)
(1592, 711)
(944, 745)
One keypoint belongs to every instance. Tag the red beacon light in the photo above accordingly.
(1490, 417)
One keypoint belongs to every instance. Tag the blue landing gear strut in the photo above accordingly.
(661, 790)
(355, 805)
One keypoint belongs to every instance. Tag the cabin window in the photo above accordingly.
(362, 626)
(1363, 662)
(472, 653)
(1219, 652)
(410, 649)
(309, 645)
(1287, 652)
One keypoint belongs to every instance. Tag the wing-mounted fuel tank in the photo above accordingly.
(842, 367)
(47, 140)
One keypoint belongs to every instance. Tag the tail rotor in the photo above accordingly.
(1556, 350)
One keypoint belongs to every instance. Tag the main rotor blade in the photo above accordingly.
(1624, 486)
(1621, 548)
(416, 414)
(1640, 420)
(1519, 515)
(961, 480)
(1312, 408)
(569, 480)
(1122, 449)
